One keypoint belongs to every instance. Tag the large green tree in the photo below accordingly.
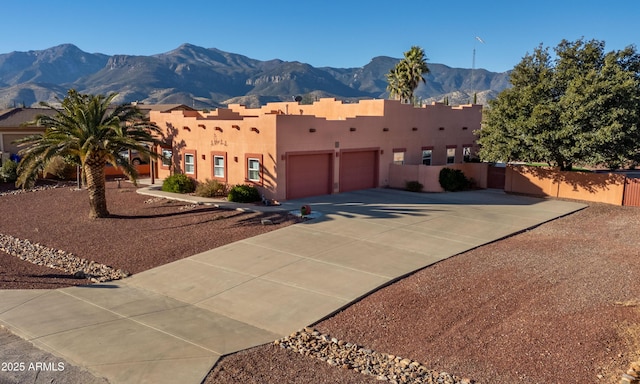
(404, 78)
(580, 107)
(92, 132)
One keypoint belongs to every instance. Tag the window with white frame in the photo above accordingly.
(253, 169)
(466, 154)
(451, 155)
(218, 166)
(398, 157)
(189, 163)
(426, 156)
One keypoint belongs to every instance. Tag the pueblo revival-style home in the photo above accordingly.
(289, 150)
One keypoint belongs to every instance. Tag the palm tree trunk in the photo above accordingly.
(94, 172)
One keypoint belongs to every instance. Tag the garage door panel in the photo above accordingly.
(309, 175)
(358, 170)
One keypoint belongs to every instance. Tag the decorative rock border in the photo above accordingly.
(35, 189)
(385, 367)
(55, 258)
(59, 259)
(633, 374)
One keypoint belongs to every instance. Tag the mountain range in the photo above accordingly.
(209, 78)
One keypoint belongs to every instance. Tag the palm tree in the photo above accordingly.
(416, 66)
(92, 132)
(395, 85)
(405, 77)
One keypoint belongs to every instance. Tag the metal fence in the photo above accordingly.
(631, 192)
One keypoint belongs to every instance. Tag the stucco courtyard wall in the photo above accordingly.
(596, 187)
(428, 175)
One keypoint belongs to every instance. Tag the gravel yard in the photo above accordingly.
(143, 232)
(558, 303)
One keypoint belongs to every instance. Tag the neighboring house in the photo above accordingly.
(12, 128)
(147, 108)
(289, 150)
(12, 123)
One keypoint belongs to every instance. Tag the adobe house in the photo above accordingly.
(289, 150)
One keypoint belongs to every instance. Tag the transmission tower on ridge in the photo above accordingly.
(473, 64)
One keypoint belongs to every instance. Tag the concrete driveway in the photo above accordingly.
(172, 323)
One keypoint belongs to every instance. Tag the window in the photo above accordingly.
(253, 169)
(451, 155)
(426, 156)
(398, 158)
(466, 154)
(167, 153)
(189, 163)
(218, 167)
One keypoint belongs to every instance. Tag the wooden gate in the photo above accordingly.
(495, 177)
(631, 192)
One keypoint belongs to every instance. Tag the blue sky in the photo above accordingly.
(324, 33)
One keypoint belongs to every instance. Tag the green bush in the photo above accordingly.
(413, 186)
(211, 188)
(244, 194)
(453, 180)
(9, 171)
(179, 183)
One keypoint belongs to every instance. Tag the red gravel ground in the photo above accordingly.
(557, 304)
(142, 233)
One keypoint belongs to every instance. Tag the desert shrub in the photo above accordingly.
(9, 171)
(59, 168)
(211, 188)
(413, 186)
(453, 180)
(179, 183)
(244, 194)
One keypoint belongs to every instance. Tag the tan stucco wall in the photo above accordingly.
(597, 187)
(7, 138)
(428, 176)
(234, 137)
(326, 125)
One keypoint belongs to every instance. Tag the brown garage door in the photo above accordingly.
(358, 170)
(309, 175)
